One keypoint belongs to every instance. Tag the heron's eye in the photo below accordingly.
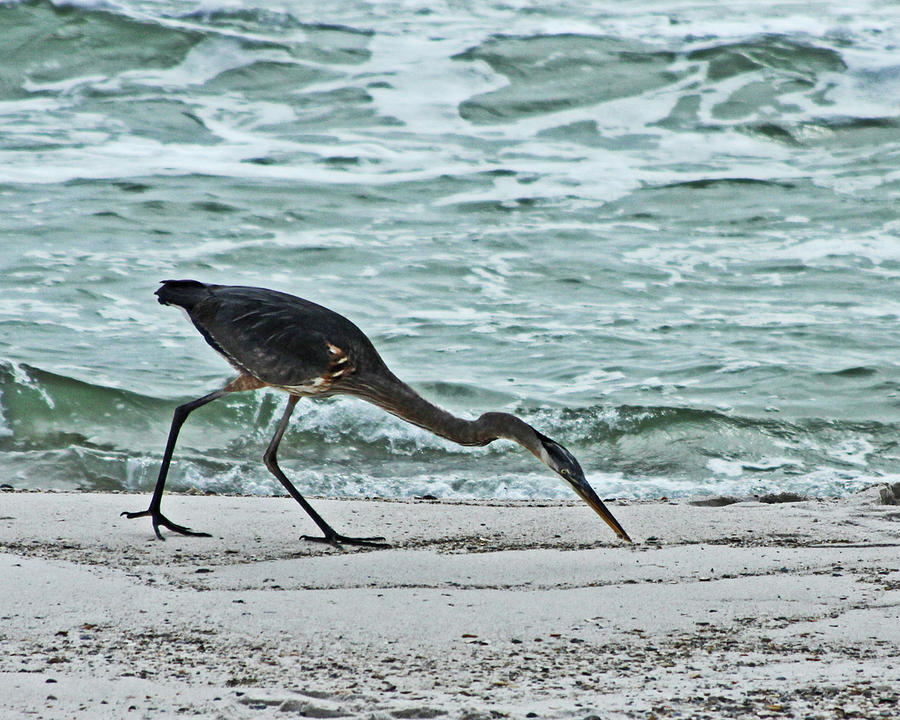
(564, 472)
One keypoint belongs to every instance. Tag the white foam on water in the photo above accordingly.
(21, 377)
(739, 366)
(425, 85)
(206, 60)
(5, 429)
(69, 85)
(878, 249)
(768, 464)
(854, 451)
(729, 468)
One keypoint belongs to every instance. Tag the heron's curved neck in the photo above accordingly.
(398, 398)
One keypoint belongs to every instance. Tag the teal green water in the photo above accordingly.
(665, 234)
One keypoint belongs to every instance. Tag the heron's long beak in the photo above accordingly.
(586, 492)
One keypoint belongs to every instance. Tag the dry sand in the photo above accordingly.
(481, 610)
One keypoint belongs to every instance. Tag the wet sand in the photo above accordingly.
(480, 610)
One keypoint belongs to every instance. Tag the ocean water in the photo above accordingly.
(665, 233)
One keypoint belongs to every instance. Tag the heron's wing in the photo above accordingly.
(277, 338)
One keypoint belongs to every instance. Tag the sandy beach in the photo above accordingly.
(479, 610)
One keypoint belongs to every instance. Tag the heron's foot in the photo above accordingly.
(159, 519)
(338, 540)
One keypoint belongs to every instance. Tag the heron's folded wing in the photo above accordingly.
(279, 339)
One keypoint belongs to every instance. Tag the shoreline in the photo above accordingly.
(480, 609)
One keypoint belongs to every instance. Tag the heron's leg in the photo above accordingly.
(181, 413)
(330, 535)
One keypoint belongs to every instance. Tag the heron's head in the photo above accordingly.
(564, 464)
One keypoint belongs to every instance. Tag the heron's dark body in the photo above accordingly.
(306, 349)
(282, 341)
(276, 338)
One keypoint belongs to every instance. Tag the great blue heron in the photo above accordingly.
(277, 340)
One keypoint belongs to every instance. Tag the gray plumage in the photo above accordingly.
(282, 341)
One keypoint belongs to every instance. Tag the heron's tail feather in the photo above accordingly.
(185, 293)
